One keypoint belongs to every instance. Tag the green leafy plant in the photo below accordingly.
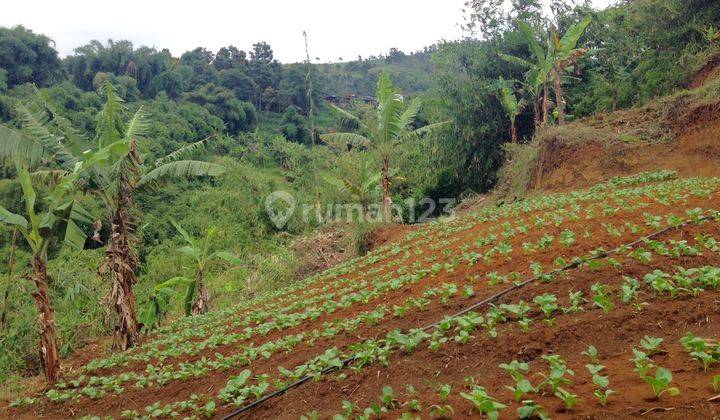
(660, 383)
(483, 402)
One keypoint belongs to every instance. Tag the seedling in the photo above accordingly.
(629, 289)
(444, 391)
(558, 370)
(601, 298)
(576, 299)
(592, 353)
(716, 383)
(387, 398)
(568, 398)
(484, 403)
(548, 304)
(530, 410)
(705, 359)
(660, 383)
(522, 387)
(515, 369)
(652, 345)
(441, 411)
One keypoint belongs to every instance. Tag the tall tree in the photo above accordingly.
(510, 103)
(565, 54)
(550, 64)
(57, 222)
(115, 179)
(27, 57)
(392, 124)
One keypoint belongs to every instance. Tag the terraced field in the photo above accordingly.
(595, 303)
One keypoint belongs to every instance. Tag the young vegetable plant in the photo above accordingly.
(387, 398)
(483, 402)
(558, 370)
(548, 304)
(568, 398)
(601, 298)
(602, 392)
(660, 383)
(652, 345)
(531, 410)
(592, 353)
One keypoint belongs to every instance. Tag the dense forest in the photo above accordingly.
(133, 183)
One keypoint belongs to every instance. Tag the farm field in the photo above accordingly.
(601, 302)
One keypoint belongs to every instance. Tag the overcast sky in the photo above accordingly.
(336, 28)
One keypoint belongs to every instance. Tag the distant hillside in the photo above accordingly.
(412, 73)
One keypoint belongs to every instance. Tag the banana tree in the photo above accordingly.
(197, 297)
(391, 125)
(57, 222)
(565, 54)
(549, 64)
(359, 186)
(48, 137)
(510, 103)
(538, 71)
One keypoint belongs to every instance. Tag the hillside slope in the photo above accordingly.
(448, 304)
(679, 132)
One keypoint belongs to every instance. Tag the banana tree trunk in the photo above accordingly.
(513, 130)
(386, 188)
(560, 102)
(49, 355)
(537, 113)
(121, 258)
(545, 105)
(121, 262)
(202, 303)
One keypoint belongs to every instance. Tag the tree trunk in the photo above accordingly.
(49, 355)
(545, 105)
(6, 296)
(386, 188)
(537, 112)
(560, 102)
(202, 301)
(122, 260)
(513, 130)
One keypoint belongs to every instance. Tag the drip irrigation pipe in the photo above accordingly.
(575, 264)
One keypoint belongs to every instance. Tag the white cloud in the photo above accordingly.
(336, 28)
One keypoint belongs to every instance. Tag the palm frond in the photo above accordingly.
(181, 168)
(49, 177)
(572, 35)
(11, 218)
(188, 238)
(139, 125)
(429, 128)
(35, 124)
(14, 143)
(109, 127)
(516, 60)
(75, 142)
(408, 116)
(349, 139)
(228, 257)
(183, 152)
(532, 42)
(347, 114)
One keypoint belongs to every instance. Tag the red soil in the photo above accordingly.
(452, 361)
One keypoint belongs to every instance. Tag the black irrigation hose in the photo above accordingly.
(476, 305)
